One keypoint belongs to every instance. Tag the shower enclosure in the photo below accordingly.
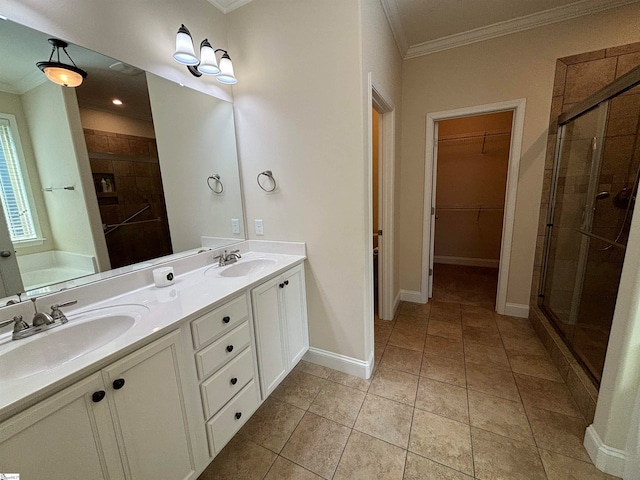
(594, 187)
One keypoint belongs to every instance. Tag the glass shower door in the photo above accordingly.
(576, 167)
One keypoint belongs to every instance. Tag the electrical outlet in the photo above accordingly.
(235, 225)
(259, 227)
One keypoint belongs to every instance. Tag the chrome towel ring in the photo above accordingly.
(218, 182)
(268, 174)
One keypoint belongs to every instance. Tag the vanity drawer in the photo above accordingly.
(228, 421)
(221, 387)
(209, 359)
(220, 320)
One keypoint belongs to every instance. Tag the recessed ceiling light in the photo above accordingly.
(116, 101)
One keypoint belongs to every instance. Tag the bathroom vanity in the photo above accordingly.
(146, 382)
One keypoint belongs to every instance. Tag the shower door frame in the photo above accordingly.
(599, 99)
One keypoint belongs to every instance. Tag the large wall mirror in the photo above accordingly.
(90, 187)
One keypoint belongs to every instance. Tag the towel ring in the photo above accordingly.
(269, 174)
(215, 178)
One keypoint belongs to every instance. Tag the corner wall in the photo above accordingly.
(300, 113)
(520, 65)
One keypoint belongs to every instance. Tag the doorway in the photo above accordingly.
(470, 184)
(478, 211)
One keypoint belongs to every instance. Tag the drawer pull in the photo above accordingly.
(286, 282)
(226, 319)
(281, 285)
(98, 396)
(229, 348)
(234, 380)
(238, 415)
(118, 384)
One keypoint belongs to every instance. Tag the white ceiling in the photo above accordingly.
(421, 27)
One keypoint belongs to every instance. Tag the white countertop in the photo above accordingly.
(193, 293)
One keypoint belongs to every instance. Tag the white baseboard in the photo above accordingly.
(342, 363)
(608, 459)
(469, 262)
(516, 310)
(411, 296)
(396, 304)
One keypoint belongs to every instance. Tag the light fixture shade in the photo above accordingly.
(208, 63)
(65, 75)
(184, 48)
(226, 71)
(58, 72)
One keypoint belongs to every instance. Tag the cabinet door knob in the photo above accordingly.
(5, 253)
(229, 348)
(281, 285)
(286, 282)
(238, 415)
(98, 396)
(226, 319)
(118, 383)
(234, 380)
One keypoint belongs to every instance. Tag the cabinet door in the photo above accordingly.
(295, 314)
(270, 340)
(149, 411)
(66, 436)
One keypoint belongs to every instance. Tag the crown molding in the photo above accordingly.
(31, 80)
(26, 83)
(392, 13)
(546, 17)
(226, 6)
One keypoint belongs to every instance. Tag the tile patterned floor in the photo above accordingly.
(458, 392)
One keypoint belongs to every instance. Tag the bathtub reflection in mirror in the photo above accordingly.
(90, 186)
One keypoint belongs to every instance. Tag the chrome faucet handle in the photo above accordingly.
(222, 258)
(18, 323)
(57, 314)
(236, 253)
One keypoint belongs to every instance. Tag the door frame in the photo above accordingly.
(386, 181)
(518, 107)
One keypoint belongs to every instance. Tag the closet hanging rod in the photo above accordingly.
(479, 136)
(471, 209)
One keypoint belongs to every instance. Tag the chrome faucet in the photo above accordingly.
(227, 258)
(41, 321)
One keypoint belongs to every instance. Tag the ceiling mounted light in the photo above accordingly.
(61, 73)
(208, 63)
(116, 101)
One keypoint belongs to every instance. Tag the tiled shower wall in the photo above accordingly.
(576, 78)
(133, 167)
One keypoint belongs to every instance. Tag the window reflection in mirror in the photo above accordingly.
(88, 184)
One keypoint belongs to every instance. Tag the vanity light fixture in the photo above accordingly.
(58, 72)
(208, 63)
(116, 101)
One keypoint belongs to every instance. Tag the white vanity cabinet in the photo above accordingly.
(126, 421)
(226, 369)
(280, 320)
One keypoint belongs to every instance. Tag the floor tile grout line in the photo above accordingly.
(473, 458)
(270, 466)
(342, 453)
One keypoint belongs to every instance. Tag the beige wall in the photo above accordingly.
(300, 113)
(517, 66)
(58, 166)
(111, 122)
(381, 58)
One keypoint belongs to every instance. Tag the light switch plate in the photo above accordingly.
(235, 225)
(259, 227)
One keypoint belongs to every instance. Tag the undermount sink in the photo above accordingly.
(83, 333)
(242, 268)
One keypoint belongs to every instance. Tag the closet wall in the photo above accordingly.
(473, 156)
